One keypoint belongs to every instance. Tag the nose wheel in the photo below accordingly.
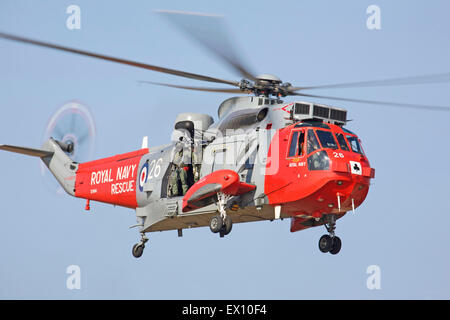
(330, 242)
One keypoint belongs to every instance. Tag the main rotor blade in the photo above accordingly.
(223, 90)
(423, 79)
(117, 60)
(211, 32)
(384, 103)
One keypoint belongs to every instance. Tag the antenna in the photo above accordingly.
(144, 142)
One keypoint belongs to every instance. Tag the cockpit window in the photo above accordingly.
(326, 139)
(340, 138)
(296, 146)
(346, 130)
(312, 124)
(293, 146)
(313, 144)
(301, 140)
(319, 161)
(354, 144)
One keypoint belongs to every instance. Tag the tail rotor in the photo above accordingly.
(73, 127)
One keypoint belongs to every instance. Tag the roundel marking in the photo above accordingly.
(143, 176)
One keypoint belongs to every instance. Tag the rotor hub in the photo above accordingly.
(267, 77)
(266, 85)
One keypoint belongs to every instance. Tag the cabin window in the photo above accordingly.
(326, 139)
(354, 144)
(340, 138)
(313, 144)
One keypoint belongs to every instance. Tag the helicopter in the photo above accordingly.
(265, 159)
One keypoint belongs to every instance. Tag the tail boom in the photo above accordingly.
(57, 161)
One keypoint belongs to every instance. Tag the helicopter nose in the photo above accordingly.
(352, 182)
(341, 194)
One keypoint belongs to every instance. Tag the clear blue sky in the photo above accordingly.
(402, 227)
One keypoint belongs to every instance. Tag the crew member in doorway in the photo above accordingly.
(178, 180)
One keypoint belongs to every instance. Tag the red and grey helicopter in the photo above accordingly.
(264, 159)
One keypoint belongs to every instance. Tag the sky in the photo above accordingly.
(401, 228)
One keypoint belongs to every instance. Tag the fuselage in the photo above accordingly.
(306, 169)
(299, 169)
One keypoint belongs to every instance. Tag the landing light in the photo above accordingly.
(339, 183)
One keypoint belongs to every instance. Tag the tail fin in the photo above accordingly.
(57, 161)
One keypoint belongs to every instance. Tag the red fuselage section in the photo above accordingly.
(110, 180)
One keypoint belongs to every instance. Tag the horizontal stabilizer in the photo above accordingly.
(27, 151)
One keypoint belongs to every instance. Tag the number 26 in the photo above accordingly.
(155, 169)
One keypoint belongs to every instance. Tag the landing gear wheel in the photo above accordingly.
(221, 223)
(336, 245)
(138, 250)
(330, 243)
(227, 226)
(216, 224)
(325, 243)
